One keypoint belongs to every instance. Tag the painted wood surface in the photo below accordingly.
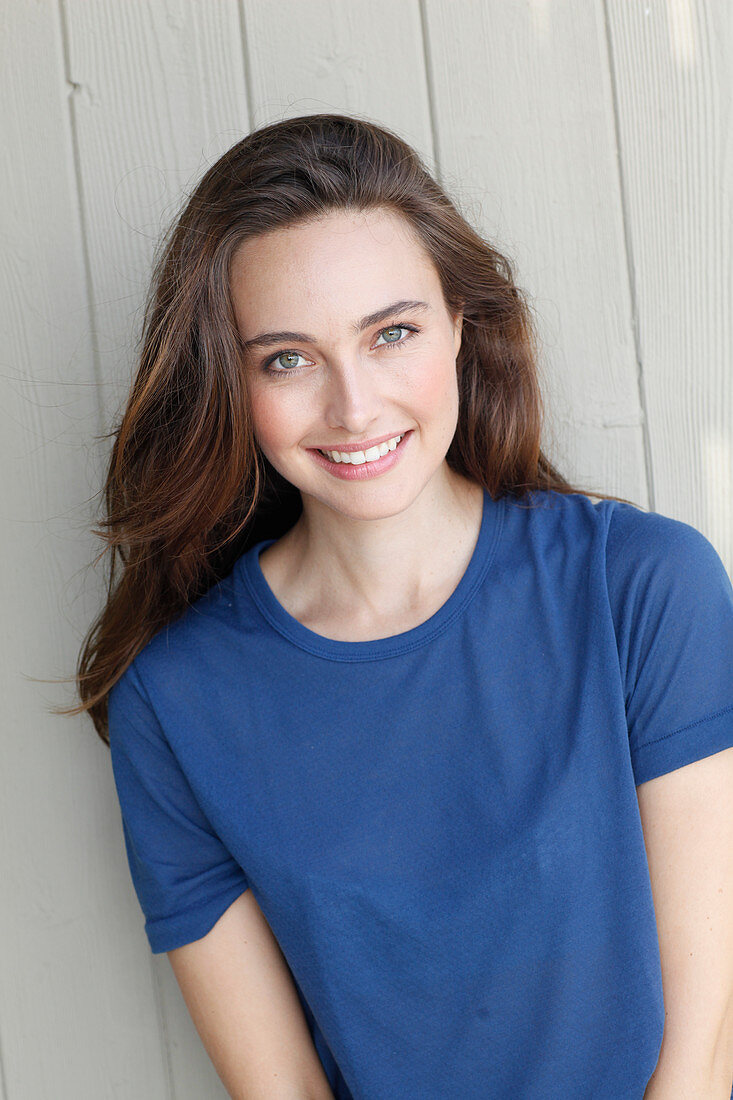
(590, 141)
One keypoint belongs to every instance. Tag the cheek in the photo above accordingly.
(276, 420)
(433, 385)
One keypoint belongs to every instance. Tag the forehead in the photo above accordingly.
(348, 262)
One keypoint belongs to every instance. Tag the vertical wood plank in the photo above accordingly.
(60, 958)
(361, 58)
(525, 124)
(674, 64)
(159, 94)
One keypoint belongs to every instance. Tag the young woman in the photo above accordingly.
(423, 757)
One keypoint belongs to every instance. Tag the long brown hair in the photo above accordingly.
(187, 488)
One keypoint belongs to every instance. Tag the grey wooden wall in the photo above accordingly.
(591, 139)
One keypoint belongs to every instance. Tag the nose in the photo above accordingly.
(353, 400)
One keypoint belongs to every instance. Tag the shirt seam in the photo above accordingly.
(689, 725)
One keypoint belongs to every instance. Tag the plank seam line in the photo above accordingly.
(244, 38)
(430, 85)
(76, 88)
(629, 251)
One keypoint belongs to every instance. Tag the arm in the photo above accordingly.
(241, 997)
(687, 818)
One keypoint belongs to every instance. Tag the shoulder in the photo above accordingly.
(564, 514)
(187, 650)
(632, 536)
(646, 549)
(570, 529)
(645, 555)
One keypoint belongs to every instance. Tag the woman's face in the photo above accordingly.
(350, 342)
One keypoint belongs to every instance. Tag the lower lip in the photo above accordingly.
(364, 470)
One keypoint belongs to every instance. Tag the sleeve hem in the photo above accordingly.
(675, 750)
(167, 933)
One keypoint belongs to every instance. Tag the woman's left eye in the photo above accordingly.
(397, 329)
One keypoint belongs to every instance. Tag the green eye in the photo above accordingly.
(287, 360)
(393, 334)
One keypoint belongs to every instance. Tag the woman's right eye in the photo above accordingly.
(287, 368)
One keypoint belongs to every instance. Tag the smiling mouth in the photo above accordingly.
(360, 458)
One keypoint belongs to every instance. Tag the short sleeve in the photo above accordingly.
(183, 874)
(672, 604)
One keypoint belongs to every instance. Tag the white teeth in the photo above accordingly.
(355, 458)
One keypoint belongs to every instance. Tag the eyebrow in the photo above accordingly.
(265, 339)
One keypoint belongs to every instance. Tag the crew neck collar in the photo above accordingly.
(248, 567)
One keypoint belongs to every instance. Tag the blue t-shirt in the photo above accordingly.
(441, 827)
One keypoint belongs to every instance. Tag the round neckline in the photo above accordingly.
(492, 518)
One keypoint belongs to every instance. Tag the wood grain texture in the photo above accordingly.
(359, 58)
(158, 93)
(674, 86)
(525, 122)
(60, 873)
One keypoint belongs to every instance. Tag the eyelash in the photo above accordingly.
(411, 329)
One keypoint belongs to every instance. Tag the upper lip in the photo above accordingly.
(349, 448)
